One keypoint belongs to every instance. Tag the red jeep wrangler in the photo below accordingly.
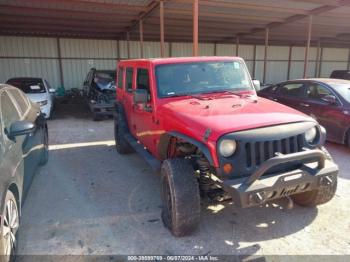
(200, 122)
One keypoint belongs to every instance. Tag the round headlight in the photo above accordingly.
(227, 147)
(310, 135)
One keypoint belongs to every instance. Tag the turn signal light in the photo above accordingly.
(228, 168)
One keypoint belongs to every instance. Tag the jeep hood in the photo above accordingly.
(193, 116)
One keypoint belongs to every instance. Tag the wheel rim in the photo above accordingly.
(167, 201)
(10, 227)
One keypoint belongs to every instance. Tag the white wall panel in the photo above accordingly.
(225, 49)
(297, 69)
(276, 72)
(38, 56)
(298, 53)
(28, 46)
(181, 49)
(206, 49)
(75, 70)
(82, 48)
(19, 67)
(278, 53)
(328, 67)
(335, 54)
(245, 51)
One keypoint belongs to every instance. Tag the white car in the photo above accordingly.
(38, 90)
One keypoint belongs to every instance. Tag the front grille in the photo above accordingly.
(260, 151)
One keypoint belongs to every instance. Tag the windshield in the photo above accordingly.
(201, 77)
(29, 86)
(343, 89)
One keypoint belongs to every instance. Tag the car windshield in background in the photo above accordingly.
(202, 77)
(29, 87)
(104, 79)
(343, 89)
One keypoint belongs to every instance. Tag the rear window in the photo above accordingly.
(29, 86)
(20, 99)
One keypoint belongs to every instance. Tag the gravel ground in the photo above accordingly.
(90, 200)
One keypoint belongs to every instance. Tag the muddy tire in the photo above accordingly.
(120, 130)
(180, 197)
(319, 196)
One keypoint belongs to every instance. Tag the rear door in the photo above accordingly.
(329, 116)
(291, 94)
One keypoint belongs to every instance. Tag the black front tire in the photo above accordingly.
(180, 197)
(319, 196)
(123, 147)
(45, 154)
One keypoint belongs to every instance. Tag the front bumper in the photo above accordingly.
(258, 188)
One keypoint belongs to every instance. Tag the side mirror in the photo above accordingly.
(257, 85)
(20, 128)
(52, 90)
(140, 96)
(330, 99)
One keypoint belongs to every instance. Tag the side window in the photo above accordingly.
(128, 79)
(291, 89)
(120, 77)
(317, 92)
(142, 81)
(22, 102)
(9, 113)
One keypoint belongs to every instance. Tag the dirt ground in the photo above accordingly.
(90, 200)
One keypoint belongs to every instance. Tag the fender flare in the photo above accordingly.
(164, 142)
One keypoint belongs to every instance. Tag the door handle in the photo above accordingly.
(304, 104)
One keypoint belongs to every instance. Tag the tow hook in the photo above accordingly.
(326, 181)
(290, 204)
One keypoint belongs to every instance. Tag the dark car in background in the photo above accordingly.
(100, 91)
(23, 146)
(327, 100)
(341, 74)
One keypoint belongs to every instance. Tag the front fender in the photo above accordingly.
(164, 142)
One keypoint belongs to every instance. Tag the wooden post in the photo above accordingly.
(317, 57)
(237, 45)
(254, 61)
(289, 61)
(141, 38)
(128, 43)
(195, 27)
(60, 62)
(306, 60)
(161, 17)
(267, 30)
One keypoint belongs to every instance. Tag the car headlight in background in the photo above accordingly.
(227, 147)
(42, 103)
(310, 135)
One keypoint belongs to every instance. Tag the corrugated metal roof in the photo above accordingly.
(219, 20)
